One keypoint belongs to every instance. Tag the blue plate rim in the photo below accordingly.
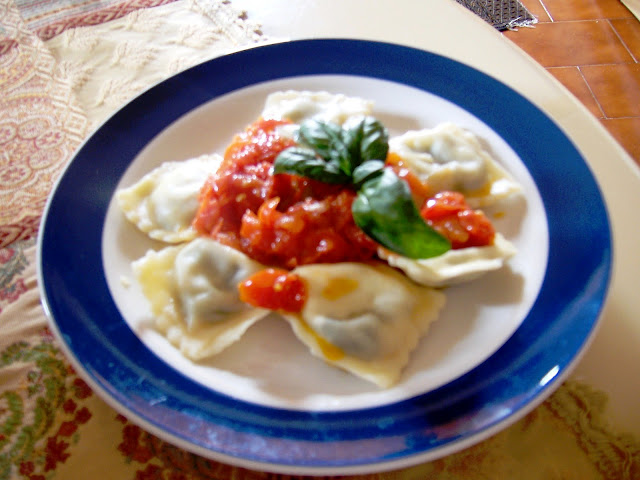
(403, 433)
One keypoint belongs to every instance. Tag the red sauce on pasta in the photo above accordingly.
(449, 214)
(285, 220)
(282, 220)
(274, 289)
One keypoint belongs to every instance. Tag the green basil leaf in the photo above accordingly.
(305, 163)
(325, 138)
(366, 139)
(367, 171)
(384, 210)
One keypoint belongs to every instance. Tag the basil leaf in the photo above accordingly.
(366, 139)
(325, 138)
(367, 171)
(305, 163)
(384, 210)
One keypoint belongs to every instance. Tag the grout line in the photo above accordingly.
(544, 7)
(604, 115)
(622, 40)
(589, 65)
(581, 20)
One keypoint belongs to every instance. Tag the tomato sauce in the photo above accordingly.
(274, 289)
(279, 220)
(285, 220)
(446, 212)
(449, 214)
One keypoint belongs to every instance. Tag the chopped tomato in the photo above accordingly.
(450, 215)
(280, 220)
(242, 182)
(311, 231)
(285, 220)
(274, 289)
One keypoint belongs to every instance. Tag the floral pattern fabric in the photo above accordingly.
(54, 88)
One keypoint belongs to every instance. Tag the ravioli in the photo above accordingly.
(364, 318)
(163, 203)
(298, 106)
(192, 292)
(455, 266)
(447, 157)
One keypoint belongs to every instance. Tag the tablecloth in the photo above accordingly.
(64, 68)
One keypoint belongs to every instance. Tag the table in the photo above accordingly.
(62, 72)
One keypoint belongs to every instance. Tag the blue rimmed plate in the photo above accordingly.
(498, 350)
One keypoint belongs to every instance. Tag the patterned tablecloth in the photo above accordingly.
(64, 67)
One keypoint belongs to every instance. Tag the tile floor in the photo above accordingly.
(593, 48)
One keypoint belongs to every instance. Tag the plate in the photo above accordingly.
(502, 345)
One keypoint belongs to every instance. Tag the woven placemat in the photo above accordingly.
(502, 14)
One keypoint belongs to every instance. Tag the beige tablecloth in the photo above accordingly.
(64, 67)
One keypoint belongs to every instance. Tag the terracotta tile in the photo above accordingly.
(627, 132)
(629, 31)
(562, 44)
(562, 10)
(536, 8)
(616, 88)
(572, 78)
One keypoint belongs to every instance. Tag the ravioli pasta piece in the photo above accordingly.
(192, 291)
(298, 106)
(448, 157)
(163, 203)
(454, 266)
(364, 318)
